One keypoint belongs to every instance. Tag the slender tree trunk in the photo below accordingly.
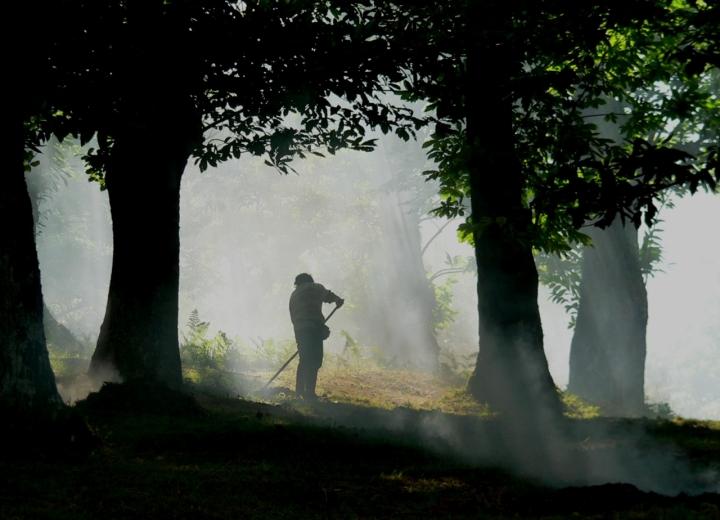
(26, 377)
(402, 306)
(408, 324)
(607, 354)
(512, 372)
(139, 334)
(423, 292)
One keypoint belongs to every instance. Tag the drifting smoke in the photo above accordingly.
(353, 221)
(590, 452)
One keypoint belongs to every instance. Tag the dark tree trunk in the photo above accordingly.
(26, 377)
(607, 354)
(139, 334)
(512, 372)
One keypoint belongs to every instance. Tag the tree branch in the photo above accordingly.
(443, 272)
(435, 236)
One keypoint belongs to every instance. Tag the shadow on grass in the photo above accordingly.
(248, 459)
(654, 455)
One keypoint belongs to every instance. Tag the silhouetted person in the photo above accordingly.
(310, 330)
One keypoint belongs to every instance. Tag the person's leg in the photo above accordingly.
(315, 359)
(310, 383)
(301, 378)
(306, 339)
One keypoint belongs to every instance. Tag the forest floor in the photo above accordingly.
(379, 444)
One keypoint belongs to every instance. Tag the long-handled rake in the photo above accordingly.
(293, 356)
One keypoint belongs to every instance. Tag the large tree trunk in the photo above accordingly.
(512, 372)
(607, 354)
(26, 377)
(139, 334)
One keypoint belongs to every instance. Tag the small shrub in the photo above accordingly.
(351, 350)
(271, 353)
(662, 410)
(199, 350)
(359, 358)
(576, 408)
(456, 368)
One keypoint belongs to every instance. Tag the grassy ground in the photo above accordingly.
(374, 386)
(359, 453)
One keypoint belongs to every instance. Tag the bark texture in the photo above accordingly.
(139, 335)
(607, 354)
(512, 372)
(26, 377)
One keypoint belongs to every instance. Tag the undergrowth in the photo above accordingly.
(359, 374)
(577, 408)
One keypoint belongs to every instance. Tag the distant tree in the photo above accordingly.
(404, 200)
(607, 356)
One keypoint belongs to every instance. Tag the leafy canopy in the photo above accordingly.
(648, 67)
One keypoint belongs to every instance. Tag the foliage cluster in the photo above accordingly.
(444, 312)
(662, 410)
(272, 101)
(620, 64)
(562, 275)
(562, 272)
(196, 349)
(576, 408)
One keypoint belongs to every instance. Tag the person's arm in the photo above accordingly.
(331, 297)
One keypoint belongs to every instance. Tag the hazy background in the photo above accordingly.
(247, 230)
